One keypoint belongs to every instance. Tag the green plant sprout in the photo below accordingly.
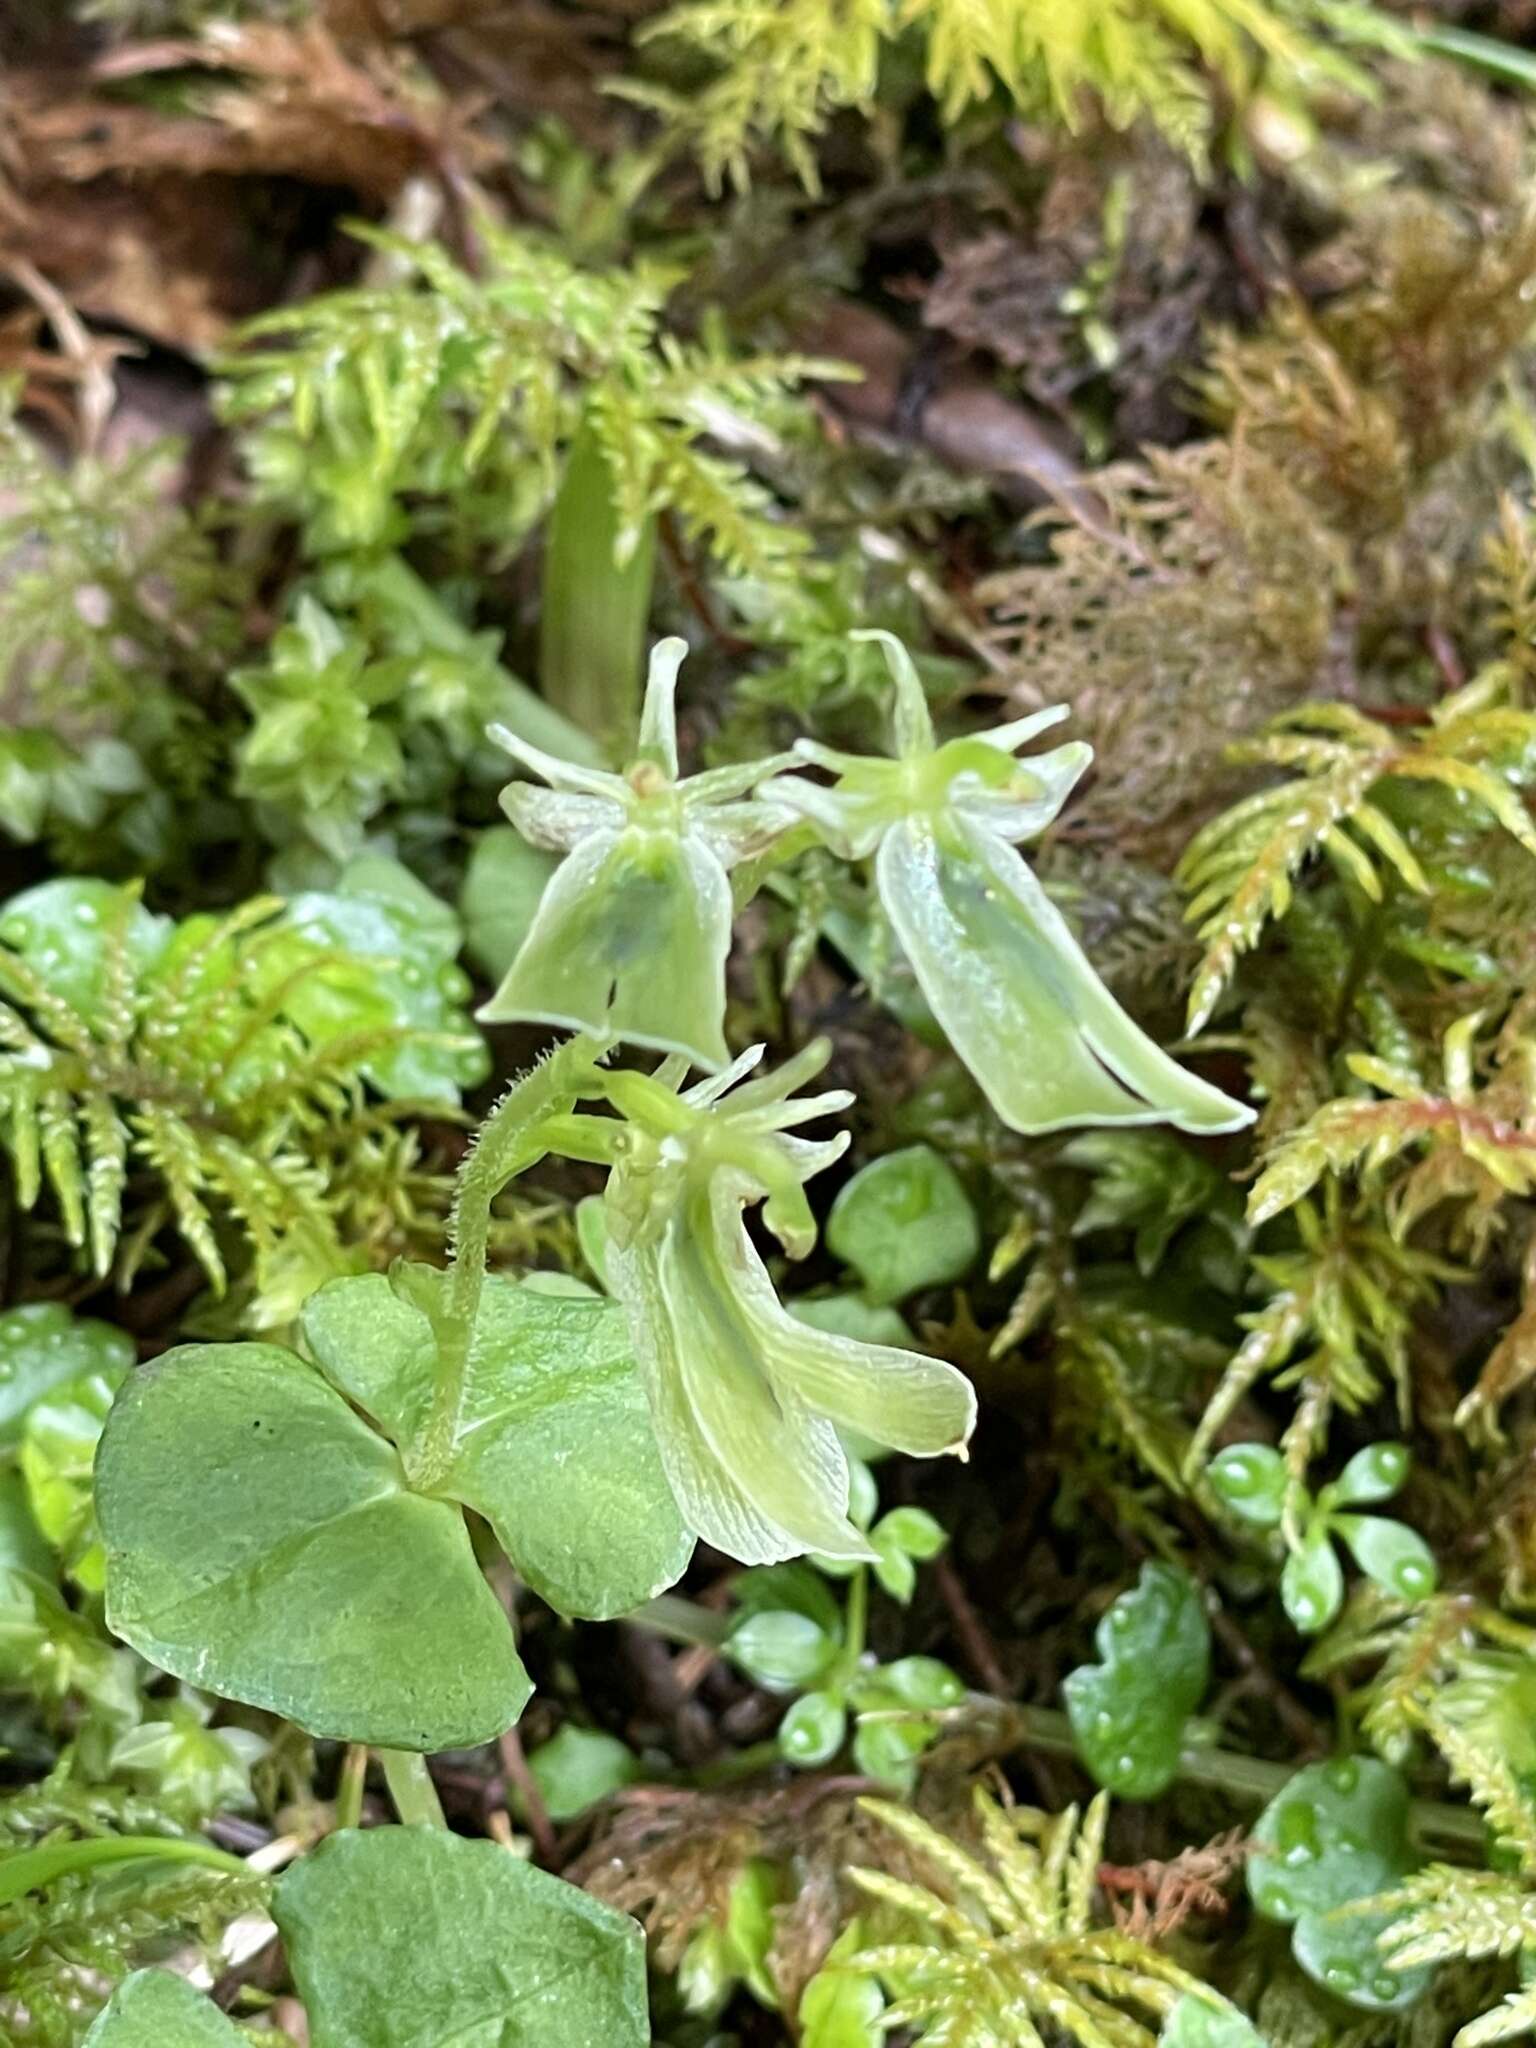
(1253, 1481)
(791, 1637)
(993, 955)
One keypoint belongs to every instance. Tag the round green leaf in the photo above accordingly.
(1337, 1833)
(890, 1749)
(904, 1222)
(554, 1447)
(153, 2009)
(42, 1344)
(580, 1766)
(853, 1315)
(781, 1650)
(1208, 2022)
(1312, 1583)
(405, 942)
(1251, 1479)
(1371, 1475)
(1396, 1557)
(814, 1729)
(63, 930)
(1128, 1710)
(921, 1682)
(262, 1542)
(417, 1938)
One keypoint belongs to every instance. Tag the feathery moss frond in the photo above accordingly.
(786, 66)
(1005, 1951)
(1241, 869)
(211, 1053)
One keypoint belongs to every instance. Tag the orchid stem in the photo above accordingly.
(411, 1788)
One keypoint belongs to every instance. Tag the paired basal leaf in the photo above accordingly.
(1128, 1711)
(262, 1542)
(1335, 1834)
(416, 1938)
(554, 1444)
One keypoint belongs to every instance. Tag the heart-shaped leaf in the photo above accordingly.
(1128, 1711)
(904, 1222)
(555, 1446)
(416, 1938)
(262, 1541)
(1208, 2023)
(153, 2009)
(1337, 1833)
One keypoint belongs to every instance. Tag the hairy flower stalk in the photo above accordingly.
(631, 936)
(997, 961)
(746, 1400)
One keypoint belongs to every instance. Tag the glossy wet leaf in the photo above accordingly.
(379, 914)
(155, 2009)
(814, 1729)
(1396, 1557)
(781, 1650)
(417, 1938)
(1128, 1710)
(1373, 1474)
(555, 1446)
(262, 1543)
(58, 1457)
(42, 1344)
(1337, 1833)
(904, 1222)
(1312, 1582)
(1208, 2023)
(1251, 1479)
(64, 932)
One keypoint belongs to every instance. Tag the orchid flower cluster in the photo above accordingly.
(630, 945)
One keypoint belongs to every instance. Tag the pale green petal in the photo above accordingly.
(561, 775)
(850, 821)
(630, 939)
(555, 818)
(1018, 999)
(1042, 785)
(658, 719)
(910, 719)
(760, 1478)
(897, 1398)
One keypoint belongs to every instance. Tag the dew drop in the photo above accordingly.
(1385, 1987)
(85, 913)
(1341, 1976)
(1413, 1577)
(1344, 1776)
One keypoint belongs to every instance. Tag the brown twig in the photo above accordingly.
(971, 1630)
(514, 1764)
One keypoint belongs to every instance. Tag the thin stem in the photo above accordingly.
(411, 1788)
(682, 1621)
(507, 1142)
(855, 1629)
(1253, 1781)
(349, 1789)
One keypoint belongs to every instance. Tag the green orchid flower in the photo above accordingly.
(997, 961)
(631, 936)
(746, 1401)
